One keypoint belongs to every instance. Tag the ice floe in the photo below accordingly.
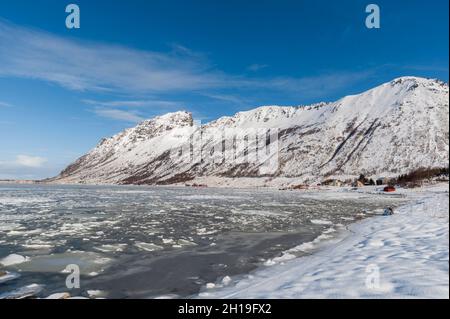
(60, 295)
(148, 246)
(321, 222)
(13, 259)
(24, 292)
(6, 276)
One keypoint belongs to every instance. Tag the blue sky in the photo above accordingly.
(62, 90)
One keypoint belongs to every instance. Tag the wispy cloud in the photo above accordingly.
(83, 65)
(131, 110)
(227, 98)
(256, 67)
(434, 68)
(320, 84)
(27, 167)
(121, 115)
(134, 103)
(30, 161)
(4, 104)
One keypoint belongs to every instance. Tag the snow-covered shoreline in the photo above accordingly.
(400, 256)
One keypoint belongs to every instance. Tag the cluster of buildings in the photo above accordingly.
(362, 181)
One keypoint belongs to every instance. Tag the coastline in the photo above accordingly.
(212, 182)
(400, 256)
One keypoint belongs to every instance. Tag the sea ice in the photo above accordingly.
(7, 276)
(148, 246)
(22, 293)
(13, 259)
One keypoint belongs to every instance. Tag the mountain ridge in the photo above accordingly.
(389, 130)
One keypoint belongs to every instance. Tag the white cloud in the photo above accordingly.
(126, 110)
(320, 85)
(127, 116)
(228, 98)
(134, 103)
(30, 161)
(82, 65)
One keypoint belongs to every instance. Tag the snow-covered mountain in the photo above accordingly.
(389, 130)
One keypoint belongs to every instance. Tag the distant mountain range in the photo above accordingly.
(390, 130)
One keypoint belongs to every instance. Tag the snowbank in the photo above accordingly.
(400, 256)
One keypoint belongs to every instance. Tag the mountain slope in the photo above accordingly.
(389, 130)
